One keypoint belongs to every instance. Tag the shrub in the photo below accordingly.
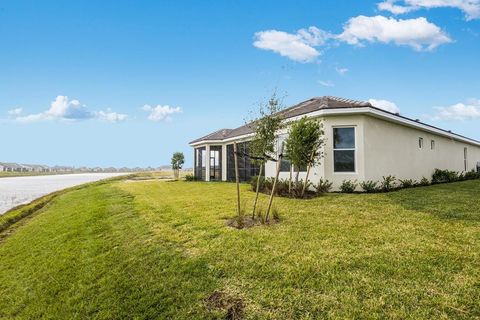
(323, 186)
(388, 183)
(369, 186)
(348, 186)
(268, 185)
(442, 176)
(470, 175)
(282, 187)
(407, 183)
(253, 183)
(424, 182)
(190, 177)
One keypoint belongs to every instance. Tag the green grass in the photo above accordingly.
(156, 249)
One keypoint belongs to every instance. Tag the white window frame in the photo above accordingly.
(355, 164)
(432, 144)
(421, 143)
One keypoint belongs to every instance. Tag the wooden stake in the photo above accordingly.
(308, 172)
(237, 178)
(279, 163)
(257, 190)
(290, 179)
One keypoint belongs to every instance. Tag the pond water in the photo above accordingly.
(20, 190)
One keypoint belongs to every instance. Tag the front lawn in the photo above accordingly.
(157, 249)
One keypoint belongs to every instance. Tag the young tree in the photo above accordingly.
(178, 159)
(262, 146)
(303, 145)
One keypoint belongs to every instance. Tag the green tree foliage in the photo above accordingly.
(265, 127)
(178, 159)
(304, 142)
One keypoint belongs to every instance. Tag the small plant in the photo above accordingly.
(275, 214)
(261, 214)
(407, 183)
(190, 177)
(348, 186)
(387, 184)
(369, 186)
(424, 182)
(323, 186)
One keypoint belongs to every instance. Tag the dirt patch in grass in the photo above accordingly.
(231, 305)
(249, 222)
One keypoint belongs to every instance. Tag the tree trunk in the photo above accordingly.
(274, 184)
(308, 172)
(257, 191)
(237, 179)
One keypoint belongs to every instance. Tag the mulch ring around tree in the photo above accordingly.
(231, 305)
(249, 222)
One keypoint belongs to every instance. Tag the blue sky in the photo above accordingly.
(126, 83)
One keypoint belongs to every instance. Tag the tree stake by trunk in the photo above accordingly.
(237, 179)
(279, 163)
(257, 191)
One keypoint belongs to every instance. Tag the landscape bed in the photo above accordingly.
(158, 249)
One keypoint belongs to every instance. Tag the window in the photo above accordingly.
(465, 158)
(344, 149)
(432, 144)
(420, 143)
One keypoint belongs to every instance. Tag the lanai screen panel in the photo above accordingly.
(246, 168)
(200, 162)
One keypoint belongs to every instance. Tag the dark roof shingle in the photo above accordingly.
(311, 105)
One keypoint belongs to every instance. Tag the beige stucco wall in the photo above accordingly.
(385, 148)
(325, 169)
(392, 149)
(382, 148)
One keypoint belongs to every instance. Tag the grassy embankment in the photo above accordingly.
(156, 249)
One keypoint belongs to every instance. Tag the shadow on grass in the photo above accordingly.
(459, 200)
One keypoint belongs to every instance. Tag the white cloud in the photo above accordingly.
(160, 113)
(65, 109)
(15, 112)
(326, 83)
(302, 46)
(390, 6)
(384, 105)
(417, 33)
(459, 111)
(298, 47)
(341, 71)
(471, 8)
(110, 116)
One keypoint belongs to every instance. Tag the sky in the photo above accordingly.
(127, 83)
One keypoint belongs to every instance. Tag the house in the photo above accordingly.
(362, 143)
(11, 167)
